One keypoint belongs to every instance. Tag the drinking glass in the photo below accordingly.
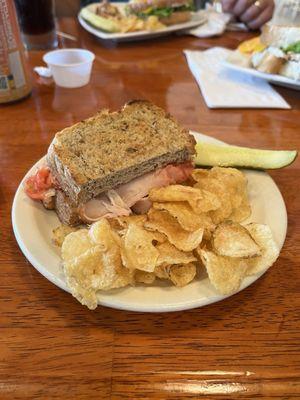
(37, 24)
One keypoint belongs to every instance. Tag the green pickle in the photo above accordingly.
(209, 155)
(98, 22)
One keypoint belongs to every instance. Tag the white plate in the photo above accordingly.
(33, 226)
(272, 78)
(198, 18)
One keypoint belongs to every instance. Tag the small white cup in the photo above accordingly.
(71, 68)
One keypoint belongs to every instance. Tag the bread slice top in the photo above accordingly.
(112, 148)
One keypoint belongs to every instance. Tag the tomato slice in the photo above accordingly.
(37, 184)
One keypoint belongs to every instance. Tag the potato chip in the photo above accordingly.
(75, 244)
(210, 201)
(184, 214)
(225, 273)
(169, 254)
(192, 195)
(152, 23)
(162, 271)
(163, 222)
(199, 174)
(144, 277)
(60, 233)
(230, 186)
(234, 181)
(232, 176)
(102, 234)
(216, 187)
(233, 240)
(98, 268)
(138, 251)
(182, 274)
(120, 224)
(87, 297)
(157, 237)
(262, 234)
(131, 219)
(242, 212)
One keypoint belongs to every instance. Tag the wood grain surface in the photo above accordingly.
(51, 347)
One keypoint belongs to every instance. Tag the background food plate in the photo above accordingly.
(33, 226)
(198, 18)
(275, 79)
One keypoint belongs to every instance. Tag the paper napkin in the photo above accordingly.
(224, 88)
(216, 23)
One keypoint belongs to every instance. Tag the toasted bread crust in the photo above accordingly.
(177, 17)
(66, 210)
(135, 140)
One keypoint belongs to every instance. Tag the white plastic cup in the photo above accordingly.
(71, 68)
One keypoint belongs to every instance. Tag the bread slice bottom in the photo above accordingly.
(66, 209)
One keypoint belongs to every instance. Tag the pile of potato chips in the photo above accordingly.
(132, 24)
(188, 227)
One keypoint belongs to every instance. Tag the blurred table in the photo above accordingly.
(54, 348)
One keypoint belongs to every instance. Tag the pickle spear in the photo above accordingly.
(210, 155)
(104, 24)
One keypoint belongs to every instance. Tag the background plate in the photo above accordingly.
(33, 225)
(275, 79)
(198, 18)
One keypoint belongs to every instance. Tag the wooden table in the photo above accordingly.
(54, 348)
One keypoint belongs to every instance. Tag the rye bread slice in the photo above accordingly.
(112, 148)
(66, 210)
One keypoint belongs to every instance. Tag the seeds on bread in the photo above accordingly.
(112, 148)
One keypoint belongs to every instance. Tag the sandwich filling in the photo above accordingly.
(123, 200)
(158, 8)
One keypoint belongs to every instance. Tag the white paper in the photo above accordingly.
(216, 23)
(43, 72)
(223, 88)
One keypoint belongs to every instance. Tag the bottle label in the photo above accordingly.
(14, 82)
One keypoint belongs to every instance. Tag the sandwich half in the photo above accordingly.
(281, 54)
(169, 12)
(107, 164)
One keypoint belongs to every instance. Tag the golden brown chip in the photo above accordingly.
(262, 234)
(182, 274)
(93, 271)
(120, 224)
(138, 251)
(75, 244)
(144, 277)
(174, 193)
(98, 268)
(169, 254)
(132, 219)
(229, 185)
(152, 23)
(235, 182)
(242, 212)
(218, 188)
(210, 201)
(163, 222)
(157, 237)
(233, 240)
(102, 234)
(225, 273)
(199, 174)
(162, 271)
(60, 233)
(85, 296)
(184, 214)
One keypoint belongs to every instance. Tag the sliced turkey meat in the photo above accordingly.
(119, 201)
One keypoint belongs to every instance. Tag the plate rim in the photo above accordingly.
(136, 307)
(272, 78)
